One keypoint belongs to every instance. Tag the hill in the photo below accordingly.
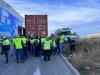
(91, 35)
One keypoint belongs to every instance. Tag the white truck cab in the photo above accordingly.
(65, 31)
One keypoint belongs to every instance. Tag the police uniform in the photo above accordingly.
(72, 43)
(6, 48)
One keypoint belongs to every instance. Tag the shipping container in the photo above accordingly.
(36, 25)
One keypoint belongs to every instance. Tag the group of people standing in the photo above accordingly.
(38, 46)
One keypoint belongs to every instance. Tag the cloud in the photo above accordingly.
(77, 14)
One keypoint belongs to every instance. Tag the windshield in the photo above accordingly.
(66, 33)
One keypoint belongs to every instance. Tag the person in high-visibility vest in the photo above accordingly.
(32, 39)
(1, 44)
(47, 47)
(6, 47)
(54, 42)
(36, 44)
(12, 51)
(51, 40)
(72, 43)
(42, 43)
(61, 41)
(24, 43)
(19, 49)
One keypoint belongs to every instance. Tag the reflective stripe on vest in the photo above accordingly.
(47, 45)
(72, 37)
(18, 43)
(6, 42)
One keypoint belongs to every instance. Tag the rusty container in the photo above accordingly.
(36, 25)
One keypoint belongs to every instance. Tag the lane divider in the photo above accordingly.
(37, 72)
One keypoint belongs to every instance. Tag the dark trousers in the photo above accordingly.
(17, 54)
(54, 50)
(6, 55)
(46, 55)
(25, 52)
(36, 51)
(42, 50)
(2, 52)
(72, 48)
(32, 49)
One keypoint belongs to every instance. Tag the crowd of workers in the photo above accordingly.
(37, 46)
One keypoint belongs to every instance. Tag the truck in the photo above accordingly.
(65, 31)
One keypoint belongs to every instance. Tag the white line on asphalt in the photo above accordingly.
(37, 72)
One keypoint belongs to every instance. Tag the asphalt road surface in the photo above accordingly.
(34, 66)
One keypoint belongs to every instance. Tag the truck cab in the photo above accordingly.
(65, 31)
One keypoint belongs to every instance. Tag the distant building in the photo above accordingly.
(10, 20)
(36, 25)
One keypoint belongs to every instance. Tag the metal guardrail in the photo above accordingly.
(71, 68)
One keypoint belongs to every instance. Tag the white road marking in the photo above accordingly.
(37, 72)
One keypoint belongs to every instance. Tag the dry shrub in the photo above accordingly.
(87, 53)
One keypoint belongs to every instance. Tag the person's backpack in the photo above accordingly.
(36, 43)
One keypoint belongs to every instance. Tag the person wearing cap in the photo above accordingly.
(6, 47)
(47, 44)
(19, 49)
(72, 42)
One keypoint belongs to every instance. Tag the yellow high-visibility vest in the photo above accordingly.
(6, 42)
(18, 43)
(47, 45)
(72, 37)
(24, 40)
(42, 40)
(62, 38)
(32, 41)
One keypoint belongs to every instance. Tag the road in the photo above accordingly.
(34, 66)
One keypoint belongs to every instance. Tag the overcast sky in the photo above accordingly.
(83, 16)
